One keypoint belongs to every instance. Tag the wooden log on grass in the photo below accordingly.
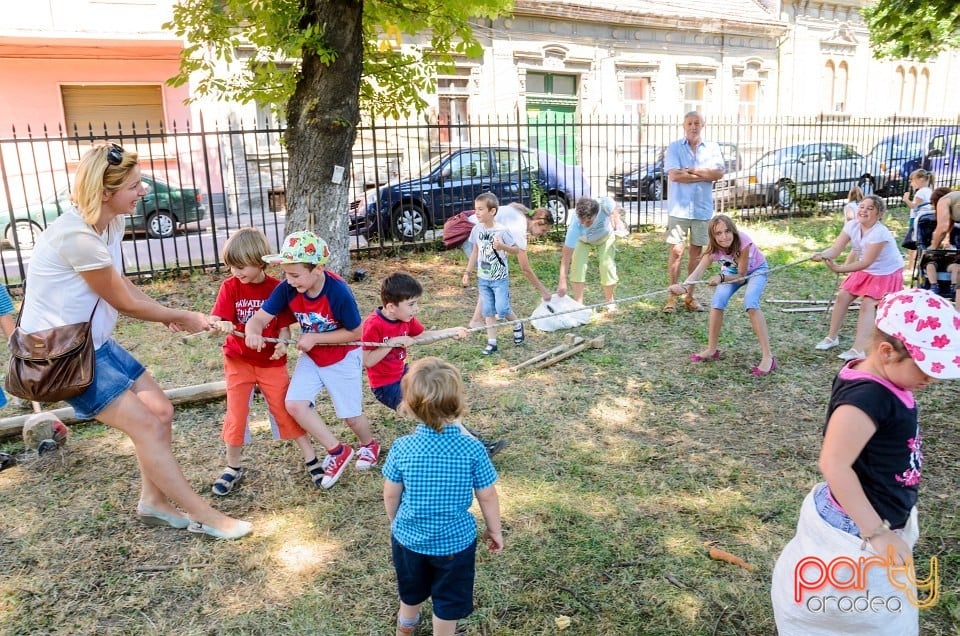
(11, 426)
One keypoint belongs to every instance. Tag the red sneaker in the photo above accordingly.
(368, 455)
(333, 467)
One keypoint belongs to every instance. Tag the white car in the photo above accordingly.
(818, 171)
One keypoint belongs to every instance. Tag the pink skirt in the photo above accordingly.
(873, 285)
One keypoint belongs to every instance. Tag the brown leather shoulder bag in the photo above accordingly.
(52, 364)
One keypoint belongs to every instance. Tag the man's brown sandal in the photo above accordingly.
(671, 305)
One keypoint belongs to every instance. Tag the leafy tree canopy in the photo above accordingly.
(918, 29)
(278, 33)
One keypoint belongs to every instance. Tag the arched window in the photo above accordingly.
(910, 91)
(898, 88)
(840, 89)
(923, 85)
(829, 76)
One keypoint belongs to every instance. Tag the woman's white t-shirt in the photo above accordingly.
(56, 294)
(889, 261)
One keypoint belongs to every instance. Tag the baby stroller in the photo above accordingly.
(940, 259)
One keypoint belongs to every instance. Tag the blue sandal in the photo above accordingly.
(230, 478)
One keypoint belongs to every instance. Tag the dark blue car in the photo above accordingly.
(936, 149)
(449, 184)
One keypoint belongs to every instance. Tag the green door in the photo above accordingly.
(550, 129)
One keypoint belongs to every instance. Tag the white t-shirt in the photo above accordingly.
(924, 206)
(514, 220)
(56, 294)
(889, 260)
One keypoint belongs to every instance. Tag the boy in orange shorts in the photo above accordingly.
(244, 368)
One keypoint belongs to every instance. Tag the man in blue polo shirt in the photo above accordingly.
(692, 165)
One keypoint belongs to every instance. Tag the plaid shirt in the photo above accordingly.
(439, 473)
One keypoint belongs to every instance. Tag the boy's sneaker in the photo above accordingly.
(333, 466)
(368, 455)
(518, 335)
(489, 349)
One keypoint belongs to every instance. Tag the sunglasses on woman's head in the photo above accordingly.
(114, 155)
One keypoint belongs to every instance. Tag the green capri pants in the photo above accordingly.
(605, 254)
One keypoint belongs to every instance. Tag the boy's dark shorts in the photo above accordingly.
(447, 579)
(389, 395)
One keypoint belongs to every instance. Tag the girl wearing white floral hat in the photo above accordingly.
(856, 532)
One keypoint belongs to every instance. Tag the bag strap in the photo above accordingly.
(24, 304)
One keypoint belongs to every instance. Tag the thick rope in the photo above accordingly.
(437, 337)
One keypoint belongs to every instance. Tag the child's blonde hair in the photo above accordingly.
(97, 175)
(433, 393)
(246, 247)
(855, 194)
(920, 173)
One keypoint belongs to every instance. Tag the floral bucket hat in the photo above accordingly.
(301, 247)
(929, 328)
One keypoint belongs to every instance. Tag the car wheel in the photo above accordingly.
(785, 195)
(408, 222)
(657, 190)
(160, 225)
(867, 186)
(26, 232)
(558, 206)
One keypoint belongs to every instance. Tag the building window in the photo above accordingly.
(552, 84)
(835, 78)
(636, 95)
(693, 95)
(910, 90)
(829, 80)
(923, 85)
(840, 90)
(749, 92)
(453, 115)
(452, 118)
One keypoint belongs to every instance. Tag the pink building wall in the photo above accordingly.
(31, 75)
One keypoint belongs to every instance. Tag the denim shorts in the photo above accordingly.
(751, 298)
(494, 297)
(447, 579)
(831, 512)
(115, 371)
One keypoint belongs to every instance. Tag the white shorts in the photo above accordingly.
(343, 381)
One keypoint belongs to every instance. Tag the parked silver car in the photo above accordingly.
(809, 171)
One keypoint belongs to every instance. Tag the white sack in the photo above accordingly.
(546, 320)
(817, 538)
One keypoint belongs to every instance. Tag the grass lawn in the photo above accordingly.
(623, 464)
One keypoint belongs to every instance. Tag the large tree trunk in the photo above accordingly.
(322, 117)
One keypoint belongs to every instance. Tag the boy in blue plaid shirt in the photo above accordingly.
(430, 478)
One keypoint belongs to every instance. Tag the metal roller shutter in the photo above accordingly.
(121, 108)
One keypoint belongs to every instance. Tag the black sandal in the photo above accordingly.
(230, 478)
(518, 335)
(315, 469)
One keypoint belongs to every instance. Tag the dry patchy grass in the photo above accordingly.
(622, 463)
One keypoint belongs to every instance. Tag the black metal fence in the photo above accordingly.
(408, 178)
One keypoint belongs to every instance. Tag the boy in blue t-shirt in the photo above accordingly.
(430, 479)
(329, 317)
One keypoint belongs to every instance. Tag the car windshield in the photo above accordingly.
(431, 164)
(899, 148)
(782, 155)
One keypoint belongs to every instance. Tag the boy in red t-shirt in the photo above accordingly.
(239, 298)
(395, 323)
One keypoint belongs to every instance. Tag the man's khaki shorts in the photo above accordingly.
(677, 230)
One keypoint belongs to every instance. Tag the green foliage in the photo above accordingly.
(278, 33)
(918, 29)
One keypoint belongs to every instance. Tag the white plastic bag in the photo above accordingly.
(545, 318)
